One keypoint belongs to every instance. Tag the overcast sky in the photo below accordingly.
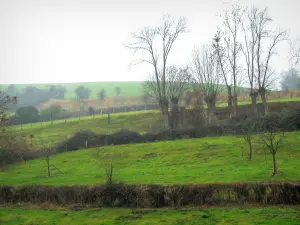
(58, 41)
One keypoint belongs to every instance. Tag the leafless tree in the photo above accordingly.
(231, 30)
(207, 76)
(48, 150)
(223, 62)
(273, 140)
(249, 51)
(228, 49)
(147, 42)
(295, 52)
(178, 82)
(248, 131)
(267, 41)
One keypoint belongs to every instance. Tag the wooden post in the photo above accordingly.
(86, 144)
(108, 118)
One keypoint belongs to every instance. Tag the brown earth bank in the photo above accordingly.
(155, 196)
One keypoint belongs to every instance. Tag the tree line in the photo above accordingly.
(240, 54)
(33, 96)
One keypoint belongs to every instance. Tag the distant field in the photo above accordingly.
(204, 160)
(104, 216)
(132, 88)
(142, 121)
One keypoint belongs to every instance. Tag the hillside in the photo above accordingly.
(205, 160)
(143, 121)
(130, 88)
(104, 216)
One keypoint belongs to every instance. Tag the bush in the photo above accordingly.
(271, 121)
(16, 150)
(148, 137)
(78, 140)
(126, 137)
(291, 121)
(155, 196)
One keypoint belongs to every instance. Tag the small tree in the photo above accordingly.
(102, 94)
(273, 139)
(82, 92)
(106, 164)
(47, 152)
(248, 130)
(118, 90)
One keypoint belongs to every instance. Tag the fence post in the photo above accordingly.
(108, 118)
(86, 144)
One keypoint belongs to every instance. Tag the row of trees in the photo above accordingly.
(240, 54)
(34, 96)
(84, 92)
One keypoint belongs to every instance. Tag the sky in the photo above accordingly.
(62, 41)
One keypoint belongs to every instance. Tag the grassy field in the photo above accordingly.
(209, 216)
(142, 121)
(132, 88)
(203, 160)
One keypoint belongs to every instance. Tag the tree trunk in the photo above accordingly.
(250, 151)
(164, 106)
(165, 112)
(275, 169)
(235, 104)
(262, 92)
(253, 96)
(174, 120)
(229, 100)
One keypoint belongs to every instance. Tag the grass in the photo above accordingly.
(206, 160)
(209, 216)
(130, 88)
(138, 121)
(224, 104)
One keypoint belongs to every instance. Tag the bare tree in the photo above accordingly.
(207, 76)
(273, 140)
(221, 57)
(178, 82)
(267, 41)
(295, 52)
(227, 48)
(146, 42)
(248, 130)
(249, 51)
(47, 150)
(231, 30)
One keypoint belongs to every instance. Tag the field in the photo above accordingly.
(188, 161)
(209, 216)
(138, 121)
(205, 160)
(133, 88)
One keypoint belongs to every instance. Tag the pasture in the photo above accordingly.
(205, 160)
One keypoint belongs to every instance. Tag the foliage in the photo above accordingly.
(287, 215)
(53, 112)
(82, 92)
(204, 160)
(101, 94)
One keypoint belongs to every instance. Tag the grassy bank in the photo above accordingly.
(206, 160)
(210, 216)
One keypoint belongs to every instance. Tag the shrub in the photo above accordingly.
(126, 137)
(16, 150)
(291, 120)
(271, 121)
(155, 196)
(77, 141)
